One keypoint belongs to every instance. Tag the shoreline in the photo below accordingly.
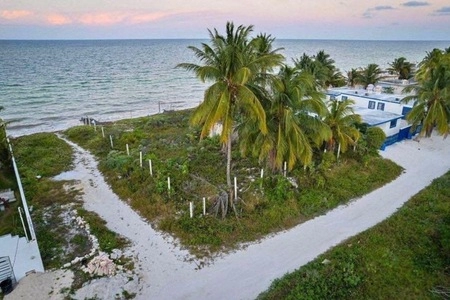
(67, 124)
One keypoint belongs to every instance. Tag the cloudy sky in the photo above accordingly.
(296, 19)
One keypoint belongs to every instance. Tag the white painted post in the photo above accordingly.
(103, 132)
(235, 188)
(339, 151)
(204, 206)
(191, 209)
(140, 159)
(150, 167)
(95, 126)
(168, 185)
(128, 150)
(285, 169)
(110, 139)
(23, 223)
(262, 177)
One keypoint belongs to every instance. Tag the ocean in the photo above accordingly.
(50, 85)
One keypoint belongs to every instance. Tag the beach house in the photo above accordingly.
(386, 111)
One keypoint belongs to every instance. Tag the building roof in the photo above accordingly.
(395, 98)
(375, 117)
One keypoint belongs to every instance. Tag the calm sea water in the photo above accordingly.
(50, 85)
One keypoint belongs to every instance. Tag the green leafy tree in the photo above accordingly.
(352, 77)
(293, 126)
(401, 67)
(307, 64)
(342, 122)
(333, 76)
(431, 95)
(322, 67)
(375, 138)
(231, 62)
(370, 75)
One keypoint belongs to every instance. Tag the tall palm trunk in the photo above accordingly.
(230, 187)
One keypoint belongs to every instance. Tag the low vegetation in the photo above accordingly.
(197, 169)
(9, 218)
(40, 157)
(406, 256)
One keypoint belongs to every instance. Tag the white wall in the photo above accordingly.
(360, 101)
(390, 131)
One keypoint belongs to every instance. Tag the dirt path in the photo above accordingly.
(165, 273)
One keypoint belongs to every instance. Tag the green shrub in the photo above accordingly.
(197, 169)
(375, 138)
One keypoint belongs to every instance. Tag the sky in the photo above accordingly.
(283, 19)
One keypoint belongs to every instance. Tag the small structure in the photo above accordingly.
(23, 255)
(386, 111)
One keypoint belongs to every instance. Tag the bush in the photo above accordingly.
(375, 138)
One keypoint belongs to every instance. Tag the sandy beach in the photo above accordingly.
(164, 271)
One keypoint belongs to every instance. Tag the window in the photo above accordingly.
(371, 104)
(380, 106)
(393, 123)
(344, 98)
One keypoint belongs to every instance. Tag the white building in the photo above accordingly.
(385, 111)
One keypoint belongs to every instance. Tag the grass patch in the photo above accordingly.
(39, 158)
(407, 256)
(108, 240)
(9, 218)
(197, 169)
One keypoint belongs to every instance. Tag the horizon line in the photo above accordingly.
(293, 39)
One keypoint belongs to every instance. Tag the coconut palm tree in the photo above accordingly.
(352, 77)
(431, 94)
(263, 44)
(333, 76)
(370, 75)
(322, 67)
(342, 121)
(308, 64)
(231, 63)
(293, 126)
(401, 67)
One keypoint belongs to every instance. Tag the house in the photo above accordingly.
(386, 111)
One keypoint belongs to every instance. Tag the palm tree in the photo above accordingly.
(308, 64)
(263, 44)
(231, 62)
(432, 94)
(342, 122)
(291, 112)
(401, 67)
(333, 76)
(322, 67)
(370, 75)
(352, 77)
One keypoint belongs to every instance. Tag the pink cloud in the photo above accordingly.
(15, 14)
(58, 19)
(103, 18)
(149, 17)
